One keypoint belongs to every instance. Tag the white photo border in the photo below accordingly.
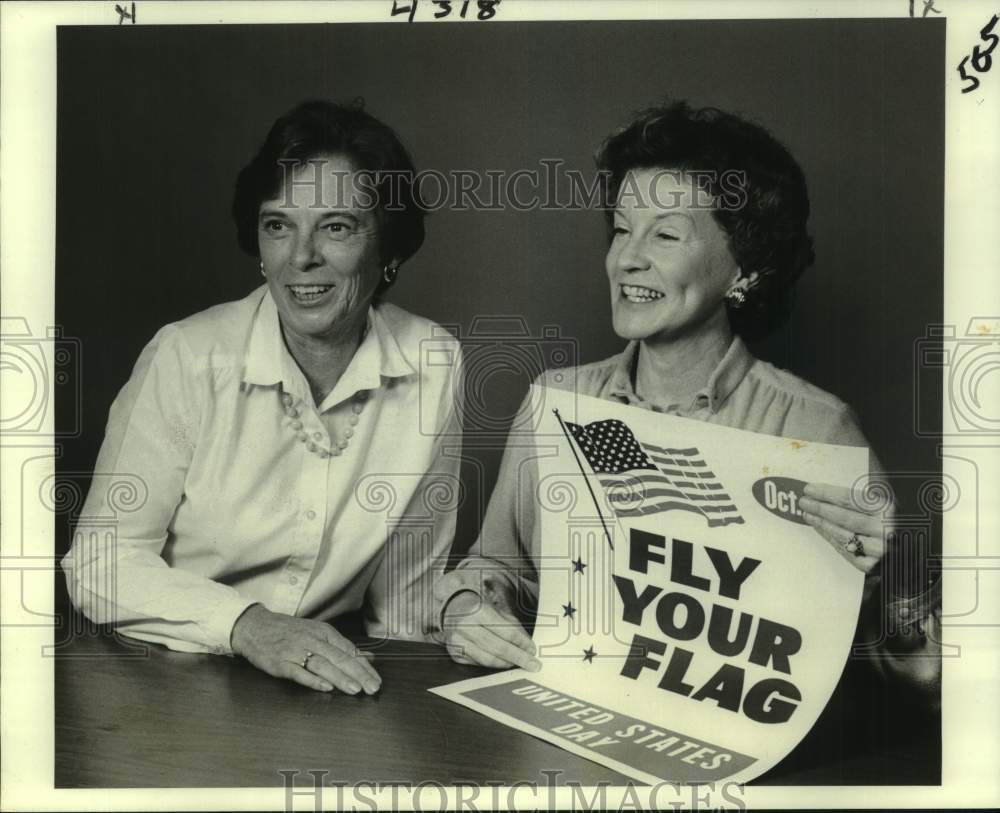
(970, 740)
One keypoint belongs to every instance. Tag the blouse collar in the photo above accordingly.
(268, 362)
(725, 378)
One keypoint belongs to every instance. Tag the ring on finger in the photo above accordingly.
(855, 545)
(305, 660)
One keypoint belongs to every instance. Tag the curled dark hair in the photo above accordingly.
(317, 128)
(765, 221)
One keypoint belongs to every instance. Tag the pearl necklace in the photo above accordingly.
(292, 409)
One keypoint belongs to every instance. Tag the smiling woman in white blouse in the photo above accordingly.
(256, 427)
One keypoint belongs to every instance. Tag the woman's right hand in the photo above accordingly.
(476, 632)
(279, 645)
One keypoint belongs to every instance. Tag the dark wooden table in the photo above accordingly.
(142, 716)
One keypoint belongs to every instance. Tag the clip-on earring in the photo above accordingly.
(736, 297)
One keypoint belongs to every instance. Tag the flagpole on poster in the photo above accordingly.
(586, 479)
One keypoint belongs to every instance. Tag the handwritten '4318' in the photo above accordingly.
(487, 9)
(980, 58)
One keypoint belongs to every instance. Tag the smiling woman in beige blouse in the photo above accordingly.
(253, 426)
(707, 238)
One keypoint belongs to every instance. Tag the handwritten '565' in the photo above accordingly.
(981, 59)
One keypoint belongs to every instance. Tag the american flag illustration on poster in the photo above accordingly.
(642, 478)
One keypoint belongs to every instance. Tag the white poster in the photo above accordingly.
(691, 626)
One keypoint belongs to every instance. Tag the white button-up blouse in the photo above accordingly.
(221, 484)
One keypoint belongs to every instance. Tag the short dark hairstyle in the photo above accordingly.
(767, 230)
(317, 128)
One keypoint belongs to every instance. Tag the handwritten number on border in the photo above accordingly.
(980, 58)
(398, 9)
(486, 9)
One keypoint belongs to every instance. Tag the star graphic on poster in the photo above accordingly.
(568, 610)
(588, 654)
(578, 565)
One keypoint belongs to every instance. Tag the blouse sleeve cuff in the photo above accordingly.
(219, 626)
(479, 576)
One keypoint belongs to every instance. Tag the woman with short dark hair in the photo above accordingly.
(259, 429)
(754, 187)
(318, 128)
(707, 213)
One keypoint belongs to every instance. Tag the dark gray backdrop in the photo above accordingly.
(155, 122)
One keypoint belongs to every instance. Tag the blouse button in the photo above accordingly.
(310, 514)
(286, 399)
(342, 445)
(317, 436)
(353, 420)
(293, 580)
(348, 433)
(296, 424)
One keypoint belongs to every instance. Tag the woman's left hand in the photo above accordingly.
(854, 525)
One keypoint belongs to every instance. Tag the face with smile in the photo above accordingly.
(669, 263)
(320, 251)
